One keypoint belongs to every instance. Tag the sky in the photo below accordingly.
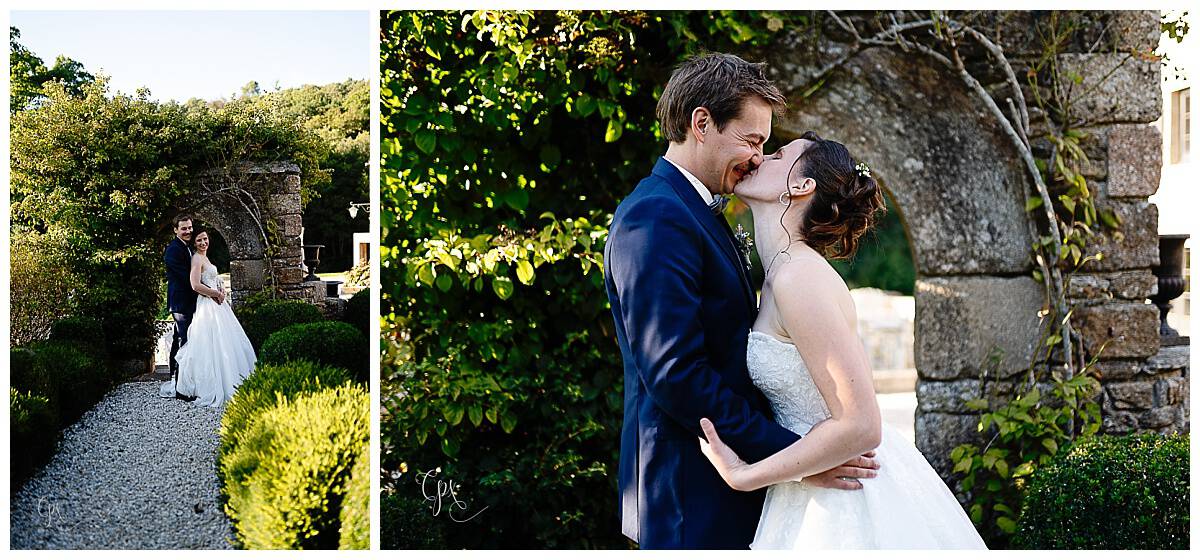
(179, 55)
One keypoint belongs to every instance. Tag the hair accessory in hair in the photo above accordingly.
(862, 169)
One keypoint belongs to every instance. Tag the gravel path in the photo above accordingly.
(136, 472)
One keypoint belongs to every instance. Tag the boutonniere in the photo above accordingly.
(745, 244)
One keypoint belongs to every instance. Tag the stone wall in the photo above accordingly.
(960, 188)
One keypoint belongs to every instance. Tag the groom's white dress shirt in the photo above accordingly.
(705, 194)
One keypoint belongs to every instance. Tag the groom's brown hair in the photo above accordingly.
(718, 82)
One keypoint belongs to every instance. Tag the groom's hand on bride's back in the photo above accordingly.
(845, 476)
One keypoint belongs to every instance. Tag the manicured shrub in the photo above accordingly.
(84, 331)
(22, 363)
(34, 429)
(288, 477)
(1110, 492)
(356, 507)
(68, 374)
(358, 312)
(265, 386)
(332, 343)
(406, 523)
(268, 318)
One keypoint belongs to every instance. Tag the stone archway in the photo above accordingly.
(246, 202)
(961, 192)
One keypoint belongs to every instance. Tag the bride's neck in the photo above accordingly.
(771, 237)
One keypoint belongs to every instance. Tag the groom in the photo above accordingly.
(181, 299)
(683, 305)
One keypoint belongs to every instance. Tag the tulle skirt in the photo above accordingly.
(216, 358)
(907, 506)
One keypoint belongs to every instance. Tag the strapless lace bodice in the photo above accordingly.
(208, 277)
(777, 369)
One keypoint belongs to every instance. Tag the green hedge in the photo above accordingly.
(261, 322)
(32, 417)
(69, 374)
(84, 331)
(332, 343)
(267, 384)
(288, 477)
(356, 508)
(1110, 492)
(406, 523)
(358, 311)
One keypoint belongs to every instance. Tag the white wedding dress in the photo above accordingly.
(907, 506)
(217, 356)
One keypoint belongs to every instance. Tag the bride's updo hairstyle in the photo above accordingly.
(845, 201)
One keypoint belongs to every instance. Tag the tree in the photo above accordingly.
(28, 75)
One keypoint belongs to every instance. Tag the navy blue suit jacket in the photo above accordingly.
(180, 296)
(683, 308)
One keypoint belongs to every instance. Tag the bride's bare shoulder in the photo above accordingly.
(807, 285)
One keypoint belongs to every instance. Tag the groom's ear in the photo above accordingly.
(701, 123)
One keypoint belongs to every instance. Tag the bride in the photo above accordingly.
(811, 201)
(217, 355)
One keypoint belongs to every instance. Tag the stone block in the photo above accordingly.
(1116, 370)
(1167, 359)
(247, 274)
(290, 225)
(962, 322)
(1133, 285)
(1118, 422)
(1170, 391)
(1131, 395)
(1136, 247)
(1158, 418)
(289, 275)
(1125, 330)
(285, 204)
(937, 434)
(1131, 93)
(1134, 160)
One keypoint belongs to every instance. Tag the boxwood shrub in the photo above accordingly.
(84, 331)
(332, 343)
(356, 507)
(1110, 492)
(69, 374)
(261, 322)
(267, 384)
(358, 311)
(288, 477)
(34, 428)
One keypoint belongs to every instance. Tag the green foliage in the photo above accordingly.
(267, 384)
(31, 419)
(261, 320)
(360, 275)
(43, 287)
(67, 373)
(1025, 434)
(84, 331)
(358, 312)
(107, 172)
(28, 75)
(406, 523)
(288, 478)
(508, 139)
(332, 343)
(1107, 492)
(356, 508)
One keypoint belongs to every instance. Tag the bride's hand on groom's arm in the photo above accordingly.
(732, 468)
